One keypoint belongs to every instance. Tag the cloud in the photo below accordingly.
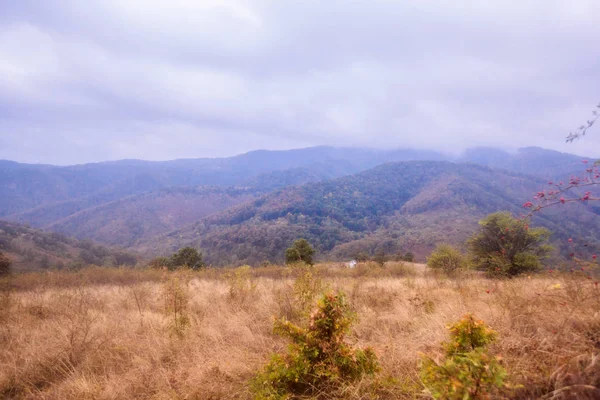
(95, 80)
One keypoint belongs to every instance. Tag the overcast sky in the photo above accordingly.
(94, 80)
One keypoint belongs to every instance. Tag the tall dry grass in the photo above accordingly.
(109, 334)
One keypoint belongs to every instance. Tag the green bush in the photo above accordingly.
(187, 257)
(446, 258)
(5, 265)
(468, 370)
(295, 301)
(318, 360)
(307, 286)
(301, 250)
(505, 245)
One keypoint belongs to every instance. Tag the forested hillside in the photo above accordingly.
(32, 249)
(396, 207)
(26, 186)
(131, 202)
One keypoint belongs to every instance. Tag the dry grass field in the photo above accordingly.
(125, 334)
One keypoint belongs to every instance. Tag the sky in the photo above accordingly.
(94, 80)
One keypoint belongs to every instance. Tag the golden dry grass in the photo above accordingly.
(112, 334)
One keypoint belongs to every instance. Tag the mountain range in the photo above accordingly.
(394, 208)
(248, 208)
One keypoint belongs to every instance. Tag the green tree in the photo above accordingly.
(301, 250)
(187, 257)
(5, 264)
(446, 258)
(508, 246)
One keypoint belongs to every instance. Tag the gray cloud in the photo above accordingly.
(96, 80)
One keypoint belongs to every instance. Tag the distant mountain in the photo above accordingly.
(26, 186)
(534, 161)
(124, 221)
(43, 195)
(123, 202)
(408, 206)
(32, 249)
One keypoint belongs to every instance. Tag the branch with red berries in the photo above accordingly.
(562, 192)
(580, 189)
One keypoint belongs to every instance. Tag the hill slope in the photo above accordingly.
(32, 249)
(407, 206)
(125, 221)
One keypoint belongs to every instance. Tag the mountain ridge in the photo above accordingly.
(85, 200)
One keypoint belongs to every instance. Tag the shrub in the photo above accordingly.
(5, 264)
(307, 287)
(301, 250)
(187, 257)
(380, 258)
(160, 262)
(446, 258)
(318, 360)
(242, 287)
(176, 298)
(468, 370)
(295, 301)
(508, 246)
